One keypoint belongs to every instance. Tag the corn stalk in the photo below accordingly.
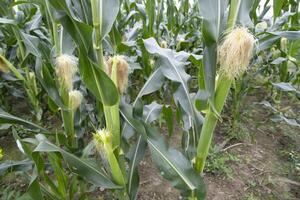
(214, 110)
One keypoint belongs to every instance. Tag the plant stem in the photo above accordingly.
(97, 23)
(114, 110)
(19, 41)
(112, 117)
(68, 121)
(237, 86)
(222, 90)
(114, 165)
(223, 87)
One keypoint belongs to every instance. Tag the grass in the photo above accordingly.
(292, 166)
(250, 197)
(240, 133)
(9, 193)
(219, 163)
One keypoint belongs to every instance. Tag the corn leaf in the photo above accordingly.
(136, 155)
(273, 37)
(79, 166)
(154, 83)
(94, 78)
(9, 166)
(244, 13)
(277, 6)
(48, 82)
(172, 67)
(6, 118)
(110, 10)
(34, 188)
(174, 166)
(212, 13)
(97, 81)
(7, 21)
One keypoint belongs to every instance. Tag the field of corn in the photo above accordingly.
(149, 99)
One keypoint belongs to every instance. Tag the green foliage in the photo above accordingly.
(250, 197)
(1, 153)
(240, 132)
(8, 193)
(220, 163)
(174, 78)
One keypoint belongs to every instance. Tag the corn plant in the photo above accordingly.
(19, 26)
(263, 43)
(274, 50)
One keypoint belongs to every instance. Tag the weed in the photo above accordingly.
(240, 133)
(9, 193)
(219, 163)
(250, 197)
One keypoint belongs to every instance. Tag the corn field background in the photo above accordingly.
(149, 99)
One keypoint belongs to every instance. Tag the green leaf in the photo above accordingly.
(244, 13)
(154, 83)
(151, 112)
(213, 14)
(282, 118)
(44, 76)
(34, 188)
(136, 155)
(174, 166)
(131, 124)
(151, 12)
(286, 87)
(12, 68)
(277, 6)
(279, 117)
(168, 116)
(79, 166)
(290, 35)
(172, 67)
(97, 81)
(31, 44)
(267, 41)
(210, 67)
(273, 37)
(60, 5)
(278, 61)
(253, 12)
(9, 166)
(81, 33)
(110, 11)
(6, 118)
(7, 21)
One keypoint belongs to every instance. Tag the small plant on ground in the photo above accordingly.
(221, 162)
